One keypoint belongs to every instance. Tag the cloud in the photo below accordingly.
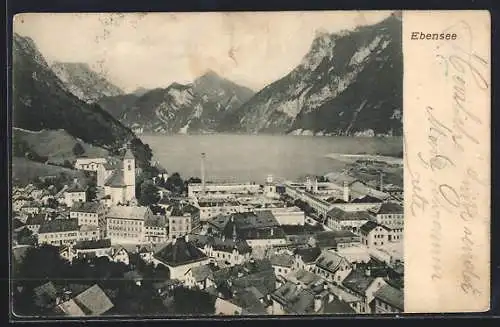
(155, 49)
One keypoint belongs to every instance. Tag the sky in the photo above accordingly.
(153, 50)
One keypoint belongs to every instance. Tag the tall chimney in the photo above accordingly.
(346, 192)
(315, 185)
(203, 173)
(381, 183)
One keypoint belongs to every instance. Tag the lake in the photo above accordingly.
(252, 157)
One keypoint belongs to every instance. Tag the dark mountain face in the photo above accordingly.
(196, 107)
(83, 82)
(349, 83)
(41, 101)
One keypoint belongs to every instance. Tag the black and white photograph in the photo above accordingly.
(207, 164)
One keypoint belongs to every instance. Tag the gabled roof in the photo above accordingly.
(59, 225)
(93, 244)
(358, 281)
(389, 208)
(294, 298)
(339, 214)
(129, 155)
(94, 300)
(116, 179)
(128, 212)
(329, 261)
(391, 296)
(71, 308)
(180, 253)
(89, 207)
(308, 255)
(369, 226)
(366, 199)
(303, 276)
(201, 273)
(338, 306)
(282, 260)
(75, 187)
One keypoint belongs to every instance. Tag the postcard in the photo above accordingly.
(250, 163)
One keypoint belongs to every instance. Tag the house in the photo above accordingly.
(289, 216)
(295, 299)
(332, 267)
(200, 276)
(213, 206)
(91, 302)
(305, 258)
(282, 264)
(87, 213)
(229, 252)
(259, 229)
(125, 224)
(30, 208)
(362, 283)
(338, 219)
(155, 229)
(335, 239)
(89, 164)
(59, 232)
(120, 184)
(303, 277)
(389, 214)
(387, 299)
(34, 222)
(98, 248)
(74, 193)
(374, 235)
(339, 292)
(88, 233)
(182, 219)
(180, 256)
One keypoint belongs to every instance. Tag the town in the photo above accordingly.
(125, 241)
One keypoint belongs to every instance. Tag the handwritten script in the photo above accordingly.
(433, 194)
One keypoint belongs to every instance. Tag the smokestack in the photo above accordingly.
(315, 185)
(381, 183)
(346, 192)
(203, 172)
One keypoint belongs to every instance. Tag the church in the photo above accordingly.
(118, 181)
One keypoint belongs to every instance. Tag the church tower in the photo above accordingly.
(129, 175)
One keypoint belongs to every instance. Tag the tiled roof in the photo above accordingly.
(116, 179)
(75, 187)
(282, 260)
(294, 298)
(340, 214)
(94, 300)
(304, 277)
(329, 261)
(391, 295)
(90, 207)
(369, 226)
(342, 294)
(59, 225)
(366, 199)
(388, 208)
(200, 273)
(264, 281)
(93, 244)
(180, 253)
(308, 255)
(128, 212)
(357, 281)
(71, 309)
(249, 300)
(330, 239)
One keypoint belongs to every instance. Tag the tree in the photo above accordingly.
(26, 237)
(184, 298)
(175, 184)
(149, 194)
(78, 149)
(52, 203)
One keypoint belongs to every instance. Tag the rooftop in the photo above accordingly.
(37, 219)
(389, 208)
(94, 301)
(116, 179)
(59, 225)
(339, 214)
(75, 187)
(391, 296)
(308, 255)
(128, 212)
(358, 281)
(89, 207)
(200, 273)
(338, 306)
(294, 298)
(329, 261)
(369, 226)
(282, 260)
(179, 253)
(93, 244)
(304, 277)
(155, 221)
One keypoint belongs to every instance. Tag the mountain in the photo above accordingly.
(349, 83)
(195, 107)
(140, 91)
(83, 82)
(41, 102)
